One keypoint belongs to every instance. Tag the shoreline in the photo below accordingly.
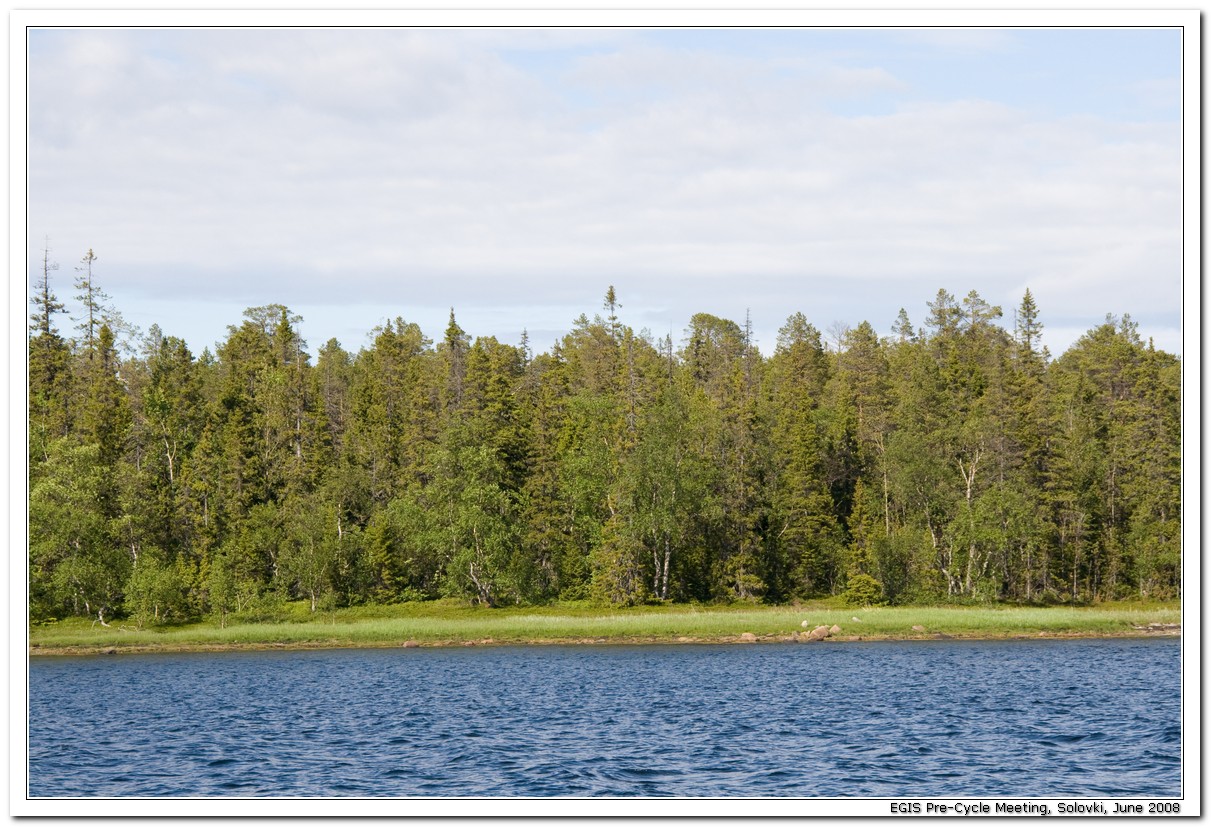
(36, 650)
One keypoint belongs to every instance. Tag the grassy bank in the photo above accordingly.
(431, 624)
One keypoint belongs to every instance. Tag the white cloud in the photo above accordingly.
(1156, 93)
(961, 39)
(421, 169)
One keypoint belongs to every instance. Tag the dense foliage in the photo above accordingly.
(953, 462)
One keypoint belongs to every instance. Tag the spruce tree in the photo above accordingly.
(50, 377)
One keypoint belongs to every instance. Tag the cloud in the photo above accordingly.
(425, 169)
(1157, 94)
(961, 39)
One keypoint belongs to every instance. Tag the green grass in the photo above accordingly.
(444, 622)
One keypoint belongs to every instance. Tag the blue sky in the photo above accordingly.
(1045, 71)
(361, 175)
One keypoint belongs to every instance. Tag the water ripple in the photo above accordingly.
(1073, 718)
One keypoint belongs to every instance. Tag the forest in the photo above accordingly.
(957, 462)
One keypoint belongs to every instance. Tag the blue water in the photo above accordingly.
(1093, 718)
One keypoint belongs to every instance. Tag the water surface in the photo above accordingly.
(1094, 718)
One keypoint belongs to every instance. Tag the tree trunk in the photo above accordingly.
(886, 489)
(668, 552)
(485, 591)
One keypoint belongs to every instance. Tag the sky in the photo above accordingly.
(360, 175)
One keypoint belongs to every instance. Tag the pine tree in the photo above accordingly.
(46, 304)
(91, 299)
(105, 413)
(1028, 330)
(804, 543)
(50, 377)
(611, 306)
(903, 329)
(956, 461)
(455, 347)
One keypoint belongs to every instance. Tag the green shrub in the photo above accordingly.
(863, 590)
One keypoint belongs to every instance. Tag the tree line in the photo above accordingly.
(952, 462)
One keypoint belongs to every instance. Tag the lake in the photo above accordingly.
(1079, 718)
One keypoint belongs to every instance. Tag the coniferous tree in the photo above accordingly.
(50, 376)
(805, 543)
(96, 310)
(955, 462)
(92, 301)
